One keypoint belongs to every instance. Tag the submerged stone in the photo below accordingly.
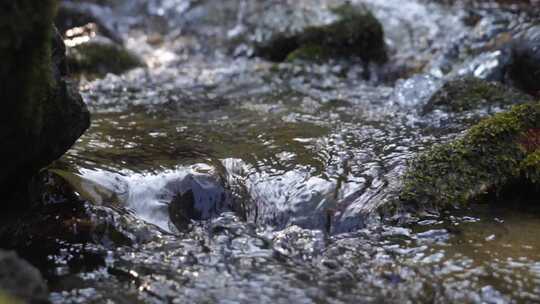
(42, 114)
(471, 93)
(354, 33)
(182, 210)
(497, 152)
(198, 197)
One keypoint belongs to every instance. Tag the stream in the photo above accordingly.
(287, 165)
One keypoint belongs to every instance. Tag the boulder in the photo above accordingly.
(197, 197)
(497, 152)
(43, 115)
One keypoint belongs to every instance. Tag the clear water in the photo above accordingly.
(303, 154)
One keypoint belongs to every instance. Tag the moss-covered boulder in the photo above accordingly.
(471, 93)
(92, 54)
(42, 115)
(355, 32)
(499, 151)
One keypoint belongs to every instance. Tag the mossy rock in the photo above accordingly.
(42, 115)
(499, 151)
(471, 93)
(97, 58)
(356, 33)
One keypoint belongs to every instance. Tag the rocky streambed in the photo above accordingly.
(293, 151)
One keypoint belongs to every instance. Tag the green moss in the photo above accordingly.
(490, 155)
(470, 93)
(524, 68)
(96, 58)
(530, 167)
(6, 299)
(357, 33)
(309, 52)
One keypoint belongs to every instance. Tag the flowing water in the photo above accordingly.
(288, 163)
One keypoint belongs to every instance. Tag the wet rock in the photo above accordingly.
(499, 151)
(91, 53)
(512, 58)
(470, 93)
(20, 281)
(354, 32)
(182, 210)
(94, 46)
(42, 114)
(524, 69)
(198, 197)
(60, 214)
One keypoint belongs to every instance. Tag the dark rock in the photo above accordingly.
(73, 15)
(524, 68)
(20, 281)
(354, 33)
(182, 210)
(62, 214)
(43, 115)
(198, 198)
(471, 93)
